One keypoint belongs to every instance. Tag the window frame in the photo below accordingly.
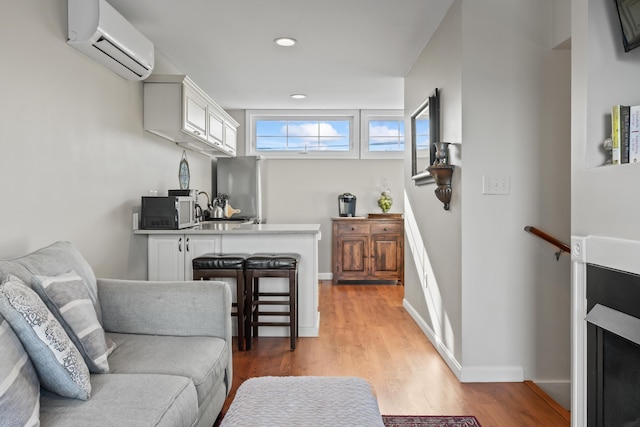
(366, 116)
(353, 116)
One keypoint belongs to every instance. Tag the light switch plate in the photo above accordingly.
(500, 185)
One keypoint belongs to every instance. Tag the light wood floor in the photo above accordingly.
(366, 332)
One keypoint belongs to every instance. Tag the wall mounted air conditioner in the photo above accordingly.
(99, 31)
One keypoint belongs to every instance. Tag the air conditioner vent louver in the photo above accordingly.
(100, 32)
(121, 57)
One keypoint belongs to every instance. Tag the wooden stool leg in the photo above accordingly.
(256, 298)
(240, 308)
(293, 330)
(248, 306)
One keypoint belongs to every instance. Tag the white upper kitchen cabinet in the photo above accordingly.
(216, 126)
(195, 113)
(175, 108)
(230, 139)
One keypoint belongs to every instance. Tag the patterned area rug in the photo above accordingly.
(429, 421)
(417, 421)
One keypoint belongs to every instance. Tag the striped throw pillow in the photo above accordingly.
(58, 362)
(19, 385)
(68, 298)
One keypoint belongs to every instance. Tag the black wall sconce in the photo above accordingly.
(442, 173)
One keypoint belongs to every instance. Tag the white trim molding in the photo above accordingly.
(474, 374)
(441, 348)
(325, 276)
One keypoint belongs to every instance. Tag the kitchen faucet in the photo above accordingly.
(208, 198)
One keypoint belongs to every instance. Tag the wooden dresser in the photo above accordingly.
(367, 249)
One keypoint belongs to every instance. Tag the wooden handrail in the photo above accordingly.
(549, 238)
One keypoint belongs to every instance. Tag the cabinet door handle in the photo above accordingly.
(187, 244)
(180, 244)
(352, 229)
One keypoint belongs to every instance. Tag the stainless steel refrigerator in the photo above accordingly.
(242, 179)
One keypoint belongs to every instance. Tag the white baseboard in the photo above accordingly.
(444, 352)
(467, 374)
(325, 276)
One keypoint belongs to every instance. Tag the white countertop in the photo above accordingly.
(213, 227)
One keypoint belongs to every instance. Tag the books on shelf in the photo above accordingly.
(634, 134)
(625, 134)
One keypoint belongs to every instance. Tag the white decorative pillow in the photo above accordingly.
(68, 298)
(19, 385)
(58, 362)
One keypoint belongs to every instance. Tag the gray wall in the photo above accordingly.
(75, 159)
(604, 200)
(496, 297)
(306, 191)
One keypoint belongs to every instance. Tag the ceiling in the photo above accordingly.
(350, 54)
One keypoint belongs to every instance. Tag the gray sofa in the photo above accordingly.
(171, 364)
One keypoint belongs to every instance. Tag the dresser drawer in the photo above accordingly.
(353, 227)
(386, 227)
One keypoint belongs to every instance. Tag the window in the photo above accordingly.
(325, 134)
(382, 134)
(422, 136)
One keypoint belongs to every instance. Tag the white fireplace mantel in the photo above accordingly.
(620, 254)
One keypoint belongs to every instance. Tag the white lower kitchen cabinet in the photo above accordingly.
(170, 255)
(171, 252)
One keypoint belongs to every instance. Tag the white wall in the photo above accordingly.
(439, 66)
(605, 200)
(506, 96)
(306, 191)
(508, 83)
(74, 157)
(561, 24)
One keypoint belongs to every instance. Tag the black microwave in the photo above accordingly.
(168, 212)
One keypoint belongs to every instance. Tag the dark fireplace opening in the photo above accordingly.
(621, 380)
(613, 348)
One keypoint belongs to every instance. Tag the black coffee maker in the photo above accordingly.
(347, 204)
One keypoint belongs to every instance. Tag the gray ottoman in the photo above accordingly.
(304, 401)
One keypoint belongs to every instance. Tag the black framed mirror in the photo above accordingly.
(425, 131)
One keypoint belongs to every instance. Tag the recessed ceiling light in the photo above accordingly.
(298, 96)
(285, 41)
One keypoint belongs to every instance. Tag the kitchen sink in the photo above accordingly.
(243, 219)
(219, 225)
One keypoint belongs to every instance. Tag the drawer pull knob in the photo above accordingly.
(352, 229)
(385, 229)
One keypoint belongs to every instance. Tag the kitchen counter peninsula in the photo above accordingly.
(170, 253)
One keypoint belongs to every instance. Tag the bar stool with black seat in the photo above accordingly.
(212, 266)
(262, 265)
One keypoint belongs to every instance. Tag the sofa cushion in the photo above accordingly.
(58, 258)
(8, 267)
(68, 298)
(58, 362)
(203, 359)
(125, 400)
(19, 385)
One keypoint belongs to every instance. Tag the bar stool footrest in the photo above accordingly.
(274, 313)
